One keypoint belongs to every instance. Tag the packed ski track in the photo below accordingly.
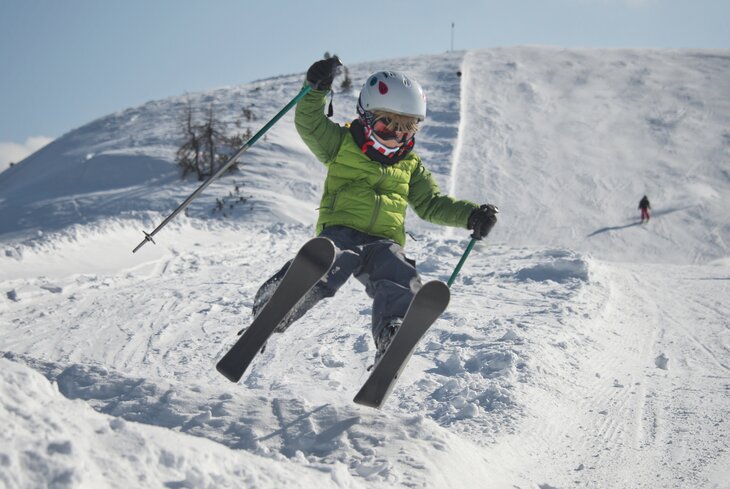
(580, 349)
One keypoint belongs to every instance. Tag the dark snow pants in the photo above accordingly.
(380, 264)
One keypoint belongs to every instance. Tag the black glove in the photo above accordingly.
(322, 73)
(482, 220)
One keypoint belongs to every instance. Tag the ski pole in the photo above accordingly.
(248, 144)
(461, 262)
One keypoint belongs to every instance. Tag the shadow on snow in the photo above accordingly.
(637, 223)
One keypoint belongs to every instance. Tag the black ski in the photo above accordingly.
(428, 304)
(311, 263)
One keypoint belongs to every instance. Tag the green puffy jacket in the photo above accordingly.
(366, 195)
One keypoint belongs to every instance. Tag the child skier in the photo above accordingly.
(372, 175)
(644, 205)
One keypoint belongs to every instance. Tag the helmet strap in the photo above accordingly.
(367, 117)
(330, 109)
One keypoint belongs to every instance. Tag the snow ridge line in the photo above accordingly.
(456, 154)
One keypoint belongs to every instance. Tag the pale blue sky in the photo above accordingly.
(65, 63)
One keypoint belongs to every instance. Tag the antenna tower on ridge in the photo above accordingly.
(452, 36)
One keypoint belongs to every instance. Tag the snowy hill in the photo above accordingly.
(565, 141)
(580, 349)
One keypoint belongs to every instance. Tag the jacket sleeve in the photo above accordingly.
(321, 135)
(426, 200)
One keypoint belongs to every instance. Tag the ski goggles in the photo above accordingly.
(382, 130)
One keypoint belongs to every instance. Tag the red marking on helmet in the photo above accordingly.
(383, 88)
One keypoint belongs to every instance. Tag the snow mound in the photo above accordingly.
(556, 269)
(51, 441)
(330, 445)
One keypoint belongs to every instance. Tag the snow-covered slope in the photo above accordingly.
(564, 141)
(564, 359)
(570, 140)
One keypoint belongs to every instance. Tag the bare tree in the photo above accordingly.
(206, 147)
(188, 155)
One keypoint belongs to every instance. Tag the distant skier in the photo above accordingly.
(372, 176)
(644, 205)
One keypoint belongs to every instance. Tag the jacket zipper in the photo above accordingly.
(378, 199)
(334, 199)
(335, 195)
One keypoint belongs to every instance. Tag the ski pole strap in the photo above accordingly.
(461, 262)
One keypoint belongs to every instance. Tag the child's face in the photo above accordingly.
(388, 137)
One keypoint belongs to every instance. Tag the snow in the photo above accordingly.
(580, 348)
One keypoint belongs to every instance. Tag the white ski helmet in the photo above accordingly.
(392, 91)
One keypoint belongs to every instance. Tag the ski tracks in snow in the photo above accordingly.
(689, 392)
(141, 344)
(546, 365)
(626, 414)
